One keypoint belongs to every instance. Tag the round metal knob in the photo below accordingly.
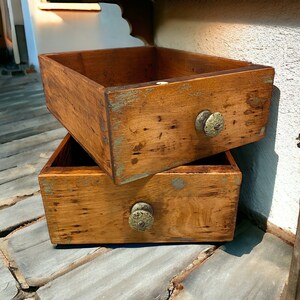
(211, 124)
(141, 216)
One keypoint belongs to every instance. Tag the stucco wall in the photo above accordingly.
(59, 31)
(264, 32)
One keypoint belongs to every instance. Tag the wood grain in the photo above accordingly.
(293, 286)
(110, 101)
(177, 63)
(8, 285)
(18, 172)
(151, 131)
(30, 143)
(36, 260)
(110, 275)
(111, 67)
(253, 266)
(195, 203)
(22, 212)
(78, 103)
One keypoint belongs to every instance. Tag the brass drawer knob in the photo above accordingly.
(141, 216)
(211, 124)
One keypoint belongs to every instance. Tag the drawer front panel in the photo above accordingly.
(84, 206)
(153, 128)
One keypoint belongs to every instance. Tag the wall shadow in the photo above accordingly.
(268, 12)
(258, 163)
(246, 239)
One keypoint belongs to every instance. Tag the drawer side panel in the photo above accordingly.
(79, 104)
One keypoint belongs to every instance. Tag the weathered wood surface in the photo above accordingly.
(160, 129)
(23, 211)
(37, 260)
(31, 142)
(136, 127)
(293, 287)
(18, 173)
(193, 203)
(35, 111)
(12, 84)
(24, 128)
(254, 266)
(25, 146)
(126, 273)
(171, 63)
(8, 285)
(85, 117)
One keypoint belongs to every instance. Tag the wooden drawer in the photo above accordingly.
(191, 203)
(134, 110)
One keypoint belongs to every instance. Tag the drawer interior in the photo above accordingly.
(71, 154)
(126, 66)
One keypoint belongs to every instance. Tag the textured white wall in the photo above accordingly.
(60, 31)
(264, 32)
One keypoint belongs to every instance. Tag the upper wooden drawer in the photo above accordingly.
(134, 109)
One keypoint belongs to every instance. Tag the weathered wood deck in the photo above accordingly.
(254, 266)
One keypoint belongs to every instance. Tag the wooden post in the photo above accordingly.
(292, 291)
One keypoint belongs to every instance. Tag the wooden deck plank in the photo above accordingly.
(22, 99)
(30, 156)
(18, 126)
(141, 272)
(10, 97)
(53, 124)
(37, 260)
(292, 290)
(11, 191)
(19, 172)
(23, 114)
(31, 142)
(10, 83)
(26, 210)
(254, 266)
(8, 285)
(6, 91)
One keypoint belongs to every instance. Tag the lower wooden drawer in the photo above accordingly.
(191, 203)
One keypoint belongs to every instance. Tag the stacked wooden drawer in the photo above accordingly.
(139, 121)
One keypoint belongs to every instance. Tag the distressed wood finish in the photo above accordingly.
(147, 270)
(253, 266)
(192, 203)
(78, 103)
(293, 286)
(36, 261)
(133, 127)
(8, 285)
